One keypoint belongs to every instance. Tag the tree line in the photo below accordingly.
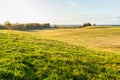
(21, 26)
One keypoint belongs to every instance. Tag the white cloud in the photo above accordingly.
(74, 3)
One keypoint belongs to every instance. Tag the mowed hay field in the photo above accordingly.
(60, 54)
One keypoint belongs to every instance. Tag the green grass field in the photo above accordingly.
(60, 54)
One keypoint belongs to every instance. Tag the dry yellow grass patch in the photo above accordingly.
(107, 39)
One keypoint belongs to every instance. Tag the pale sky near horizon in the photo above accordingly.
(60, 11)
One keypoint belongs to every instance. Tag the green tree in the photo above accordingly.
(86, 24)
(1, 26)
(7, 25)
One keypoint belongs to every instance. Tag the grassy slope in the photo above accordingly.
(106, 39)
(25, 56)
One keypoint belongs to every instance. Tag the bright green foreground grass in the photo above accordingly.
(26, 56)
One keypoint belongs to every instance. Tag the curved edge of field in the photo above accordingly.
(24, 56)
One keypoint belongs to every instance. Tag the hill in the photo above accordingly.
(32, 56)
(98, 38)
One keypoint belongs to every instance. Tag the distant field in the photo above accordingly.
(60, 54)
(98, 38)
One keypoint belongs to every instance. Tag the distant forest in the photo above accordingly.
(20, 26)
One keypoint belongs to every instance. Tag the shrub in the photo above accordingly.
(86, 24)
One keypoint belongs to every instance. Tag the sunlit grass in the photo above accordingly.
(51, 54)
(106, 39)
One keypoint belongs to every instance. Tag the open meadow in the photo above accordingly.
(97, 38)
(60, 54)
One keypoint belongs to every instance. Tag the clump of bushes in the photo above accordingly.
(87, 24)
(27, 26)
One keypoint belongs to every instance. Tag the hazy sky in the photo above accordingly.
(61, 11)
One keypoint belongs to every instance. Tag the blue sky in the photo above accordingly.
(61, 11)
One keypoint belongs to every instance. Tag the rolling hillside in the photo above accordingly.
(97, 38)
(58, 55)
